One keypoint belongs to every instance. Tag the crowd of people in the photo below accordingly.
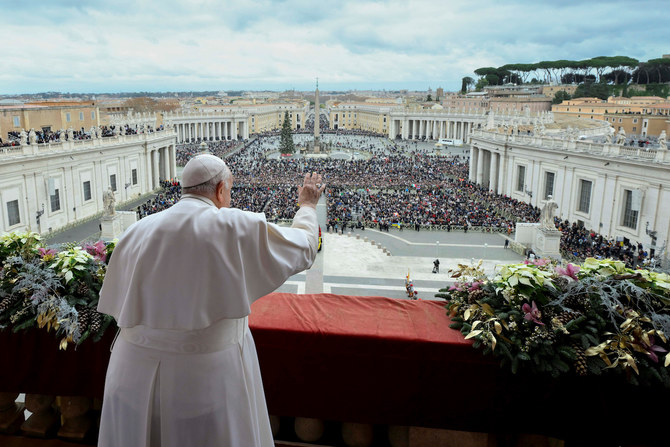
(579, 243)
(400, 185)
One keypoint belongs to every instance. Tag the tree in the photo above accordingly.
(560, 96)
(141, 104)
(429, 98)
(481, 83)
(286, 145)
(466, 84)
(592, 90)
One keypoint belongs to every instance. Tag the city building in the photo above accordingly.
(45, 187)
(615, 190)
(49, 116)
(638, 115)
(232, 122)
(416, 121)
(501, 99)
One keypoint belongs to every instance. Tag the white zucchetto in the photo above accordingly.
(200, 169)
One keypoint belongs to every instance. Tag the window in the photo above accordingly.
(631, 208)
(68, 118)
(635, 120)
(55, 200)
(87, 190)
(521, 178)
(17, 121)
(584, 196)
(92, 114)
(81, 116)
(548, 185)
(112, 182)
(13, 212)
(634, 128)
(134, 176)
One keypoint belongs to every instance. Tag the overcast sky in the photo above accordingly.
(138, 45)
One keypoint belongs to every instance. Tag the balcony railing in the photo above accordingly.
(365, 371)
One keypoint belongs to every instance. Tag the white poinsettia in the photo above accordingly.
(603, 267)
(527, 274)
(68, 261)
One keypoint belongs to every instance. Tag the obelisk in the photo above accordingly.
(317, 118)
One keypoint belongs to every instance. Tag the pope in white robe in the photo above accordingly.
(184, 369)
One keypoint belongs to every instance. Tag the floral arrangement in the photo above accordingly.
(596, 318)
(56, 290)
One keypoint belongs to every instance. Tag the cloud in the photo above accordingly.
(209, 44)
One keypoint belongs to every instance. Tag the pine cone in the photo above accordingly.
(564, 318)
(96, 320)
(83, 289)
(580, 361)
(84, 318)
(8, 302)
(476, 295)
(578, 301)
(561, 282)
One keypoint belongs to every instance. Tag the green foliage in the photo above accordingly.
(466, 83)
(598, 318)
(592, 90)
(286, 145)
(50, 289)
(560, 96)
(481, 83)
(429, 98)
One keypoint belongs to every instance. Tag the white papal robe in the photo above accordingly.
(184, 370)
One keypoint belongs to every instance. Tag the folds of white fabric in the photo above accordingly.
(178, 385)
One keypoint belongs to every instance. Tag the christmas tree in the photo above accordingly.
(286, 140)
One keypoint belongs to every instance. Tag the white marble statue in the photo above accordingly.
(547, 214)
(123, 130)
(94, 134)
(98, 131)
(663, 140)
(70, 134)
(61, 135)
(23, 137)
(609, 135)
(621, 137)
(32, 136)
(108, 202)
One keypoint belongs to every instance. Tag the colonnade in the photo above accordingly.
(431, 129)
(211, 130)
(161, 164)
(485, 168)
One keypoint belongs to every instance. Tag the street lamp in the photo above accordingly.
(437, 249)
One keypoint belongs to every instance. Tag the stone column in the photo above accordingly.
(405, 126)
(480, 167)
(442, 125)
(501, 173)
(474, 154)
(166, 162)
(493, 176)
(155, 169)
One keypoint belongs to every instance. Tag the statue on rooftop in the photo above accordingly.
(32, 136)
(61, 135)
(94, 134)
(23, 137)
(609, 135)
(70, 134)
